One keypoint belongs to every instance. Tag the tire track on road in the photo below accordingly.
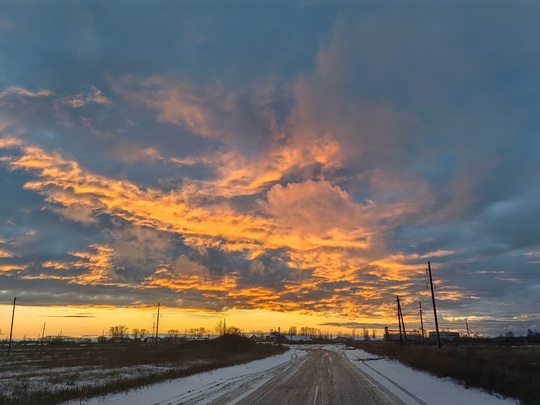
(323, 377)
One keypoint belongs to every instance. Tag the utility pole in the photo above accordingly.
(43, 333)
(400, 322)
(224, 326)
(469, 331)
(12, 319)
(434, 307)
(157, 323)
(421, 321)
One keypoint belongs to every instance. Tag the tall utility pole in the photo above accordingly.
(421, 321)
(43, 333)
(434, 307)
(157, 323)
(400, 322)
(469, 331)
(12, 319)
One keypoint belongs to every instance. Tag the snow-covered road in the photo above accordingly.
(232, 385)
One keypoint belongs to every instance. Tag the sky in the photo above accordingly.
(273, 164)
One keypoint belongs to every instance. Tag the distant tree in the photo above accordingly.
(509, 336)
(143, 333)
(533, 336)
(292, 331)
(118, 332)
(233, 330)
(310, 332)
(173, 334)
(366, 334)
(219, 328)
(196, 332)
(135, 333)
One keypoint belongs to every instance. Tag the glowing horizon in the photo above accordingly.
(80, 322)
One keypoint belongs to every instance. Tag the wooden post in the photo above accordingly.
(434, 307)
(11, 330)
(157, 323)
(421, 322)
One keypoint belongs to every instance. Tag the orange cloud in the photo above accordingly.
(9, 268)
(316, 222)
(97, 260)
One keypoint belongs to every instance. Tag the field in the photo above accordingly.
(56, 373)
(512, 371)
(53, 374)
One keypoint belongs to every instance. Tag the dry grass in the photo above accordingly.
(508, 371)
(53, 374)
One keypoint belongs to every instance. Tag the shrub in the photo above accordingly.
(234, 344)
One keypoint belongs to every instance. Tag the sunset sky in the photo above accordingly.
(273, 164)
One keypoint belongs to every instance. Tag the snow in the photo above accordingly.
(411, 386)
(202, 388)
(408, 383)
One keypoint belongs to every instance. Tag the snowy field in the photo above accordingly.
(229, 385)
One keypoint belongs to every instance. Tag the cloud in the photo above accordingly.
(19, 92)
(139, 250)
(78, 213)
(82, 99)
(65, 183)
(71, 316)
(131, 153)
(210, 110)
(315, 209)
(98, 266)
(321, 206)
(184, 266)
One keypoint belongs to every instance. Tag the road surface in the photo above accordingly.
(306, 375)
(322, 377)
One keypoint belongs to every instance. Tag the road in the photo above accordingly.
(305, 375)
(322, 377)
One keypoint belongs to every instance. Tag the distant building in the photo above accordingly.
(444, 336)
(277, 337)
(341, 339)
(394, 336)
